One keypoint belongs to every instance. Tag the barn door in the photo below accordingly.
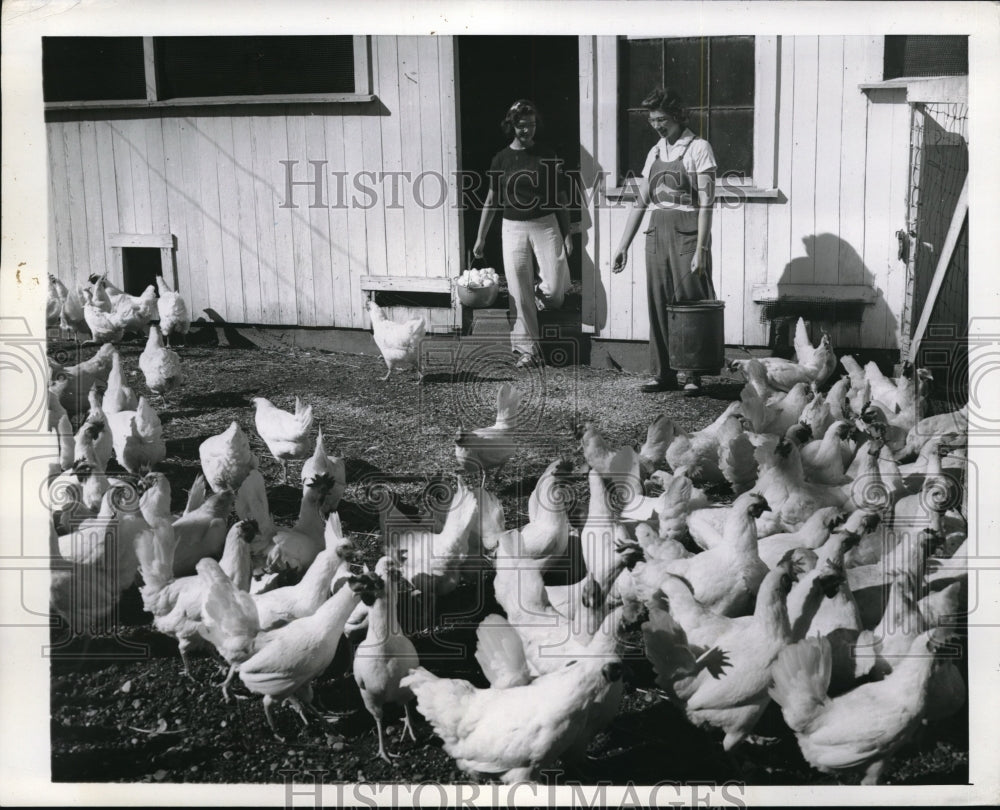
(939, 166)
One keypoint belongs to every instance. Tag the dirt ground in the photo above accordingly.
(121, 710)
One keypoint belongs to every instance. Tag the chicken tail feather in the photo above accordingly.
(508, 402)
(500, 653)
(800, 679)
(197, 495)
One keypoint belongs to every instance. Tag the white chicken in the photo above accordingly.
(93, 443)
(386, 655)
(102, 324)
(726, 578)
(287, 660)
(282, 605)
(96, 561)
(813, 533)
(862, 729)
(226, 459)
(696, 455)
(816, 415)
(160, 366)
(782, 482)
(319, 463)
(237, 624)
(201, 530)
(547, 532)
(134, 312)
(432, 561)
(173, 311)
(783, 374)
(285, 434)
(176, 602)
(138, 438)
(295, 548)
(825, 460)
(490, 447)
(733, 703)
(58, 293)
(76, 493)
(820, 357)
(487, 525)
(927, 428)
(515, 732)
(119, 396)
(72, 319)
(399, 343)
(73, 383)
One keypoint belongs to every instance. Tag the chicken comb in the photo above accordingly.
(323, 481)
(368, 585)
(250, 529)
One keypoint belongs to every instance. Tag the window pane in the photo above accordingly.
(698, 123)
(638, 138)
(92, 68)
(642, 63)
(926, 56)
(233, 66)
(732, 140)
(732, 79)
(686, 65)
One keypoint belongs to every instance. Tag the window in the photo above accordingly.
(170, 71)
(925, 56)
(715, 76)
(92, 68)
(237, 66)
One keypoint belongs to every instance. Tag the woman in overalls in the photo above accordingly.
(679, 180)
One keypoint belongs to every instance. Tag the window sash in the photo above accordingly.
(767, 71)
(362, 88)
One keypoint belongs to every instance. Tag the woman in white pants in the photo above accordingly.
(524, 184)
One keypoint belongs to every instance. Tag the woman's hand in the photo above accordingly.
(568, 244)
(699, 261)
(479, 248)
(618, 264)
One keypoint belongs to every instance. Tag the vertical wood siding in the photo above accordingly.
(841, 163)
(214, 181)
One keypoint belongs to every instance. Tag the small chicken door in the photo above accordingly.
(140, 267)
(138, 258)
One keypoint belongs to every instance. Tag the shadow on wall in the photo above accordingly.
(830, 261)
(596, 310)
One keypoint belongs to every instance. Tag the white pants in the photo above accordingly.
(540, 238)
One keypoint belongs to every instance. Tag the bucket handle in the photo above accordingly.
(470, 260)
(709, 283)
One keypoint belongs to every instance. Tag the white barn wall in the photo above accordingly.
(212, 178)
(841, 159)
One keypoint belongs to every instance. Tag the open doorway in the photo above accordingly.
(493, 72)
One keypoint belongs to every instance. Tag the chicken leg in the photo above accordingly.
(269, 715)
(407, 723)
(381, 742)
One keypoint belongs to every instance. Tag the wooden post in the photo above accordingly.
(961, 210)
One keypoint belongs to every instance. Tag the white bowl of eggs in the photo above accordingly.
(478, 287)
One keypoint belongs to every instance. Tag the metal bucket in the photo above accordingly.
(695, 336)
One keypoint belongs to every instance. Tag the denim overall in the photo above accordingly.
(671, 241)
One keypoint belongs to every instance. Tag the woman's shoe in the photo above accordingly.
(692, 387)
(527, 360)
(654, 385)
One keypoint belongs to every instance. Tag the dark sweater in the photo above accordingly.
(525, 182)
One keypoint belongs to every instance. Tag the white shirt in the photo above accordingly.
(699, 158)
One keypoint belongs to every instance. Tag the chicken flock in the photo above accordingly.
(833, 584)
